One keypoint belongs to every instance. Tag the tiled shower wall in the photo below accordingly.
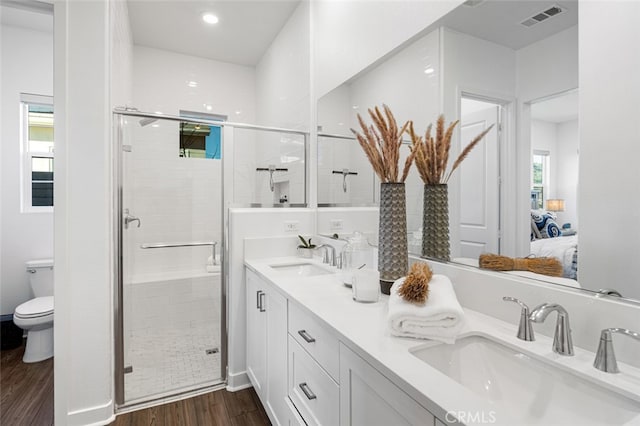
(177, 200)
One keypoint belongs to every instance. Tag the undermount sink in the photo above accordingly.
(525, 387)
(304, 269)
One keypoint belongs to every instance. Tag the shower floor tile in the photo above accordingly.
(170, 328)
(171, 360)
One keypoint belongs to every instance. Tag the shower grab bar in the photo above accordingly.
(193, 244)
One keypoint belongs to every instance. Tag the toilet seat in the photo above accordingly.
(35, 308)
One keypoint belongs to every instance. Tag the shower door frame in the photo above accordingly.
(227, 151)
(118, 220)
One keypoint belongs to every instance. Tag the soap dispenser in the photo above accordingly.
(357, 253)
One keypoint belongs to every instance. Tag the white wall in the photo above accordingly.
(485, 69)
(544, 138)
(83, 330)
(388, 83)
(568, 146)
(352, 35)
(160, 83)
(559, 54)
(282, 76)
(245, 223)
(283, 98)
(609, 129)
(27, 67)
(178, 199)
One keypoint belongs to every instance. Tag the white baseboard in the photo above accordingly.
(97, 415)
(238, 381)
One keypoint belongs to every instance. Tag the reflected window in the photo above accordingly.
(540, 178)
(38, 152)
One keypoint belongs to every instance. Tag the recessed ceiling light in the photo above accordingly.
(192, 83)
(210, 18)
(429, 70)
(238, 112)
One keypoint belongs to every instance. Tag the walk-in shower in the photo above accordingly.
(175, 178)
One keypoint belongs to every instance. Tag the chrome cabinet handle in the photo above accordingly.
(262, 309)
(258, 299)
(307, 392)
(306, 336)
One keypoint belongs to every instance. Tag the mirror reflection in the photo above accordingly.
(491, 63)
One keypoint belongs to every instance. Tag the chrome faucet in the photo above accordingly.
(525, 329)
(605, 357)
(562, 343)
(326, 257)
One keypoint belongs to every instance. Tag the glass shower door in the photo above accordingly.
(171, 289)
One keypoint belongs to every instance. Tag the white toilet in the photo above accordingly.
(36, 315)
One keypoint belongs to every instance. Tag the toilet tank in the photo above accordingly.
(41, 277)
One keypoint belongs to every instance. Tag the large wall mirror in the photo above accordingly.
(514, 64)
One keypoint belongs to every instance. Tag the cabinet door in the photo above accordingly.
(368, 398)
(276, 313)
(256, 334)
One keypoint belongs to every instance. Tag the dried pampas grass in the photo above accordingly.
(381, 143)
(415, 288)
(432, 154)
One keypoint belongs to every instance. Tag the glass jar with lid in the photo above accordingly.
(357, 253)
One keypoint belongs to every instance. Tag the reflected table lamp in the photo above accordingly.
(555, 205)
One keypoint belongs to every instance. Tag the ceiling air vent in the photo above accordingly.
(542, 16)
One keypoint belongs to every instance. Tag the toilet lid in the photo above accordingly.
(38, 307)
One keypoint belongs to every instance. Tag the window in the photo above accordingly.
(539, 178)
(200, 140)
(37, 150)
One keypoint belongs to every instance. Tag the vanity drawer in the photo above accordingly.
(313, 392)
(321, 344)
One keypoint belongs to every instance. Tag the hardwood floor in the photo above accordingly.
(242, 408)
(26, 398)
(26, 390)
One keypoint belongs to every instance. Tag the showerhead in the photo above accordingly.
(147, 121)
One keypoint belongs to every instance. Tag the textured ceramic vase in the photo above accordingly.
(392, 235)
(435, 222)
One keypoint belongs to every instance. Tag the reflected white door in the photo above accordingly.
(479, 194)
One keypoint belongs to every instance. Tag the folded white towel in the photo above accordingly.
(440, 318)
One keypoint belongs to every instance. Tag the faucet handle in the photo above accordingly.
(605, 356)
(525, 329)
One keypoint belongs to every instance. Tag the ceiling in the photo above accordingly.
(245, 31)
(557, 109)
(499, 20)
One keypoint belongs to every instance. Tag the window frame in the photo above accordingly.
(27, 155)
(546, 173)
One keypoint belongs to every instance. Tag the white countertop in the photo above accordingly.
(363, 328)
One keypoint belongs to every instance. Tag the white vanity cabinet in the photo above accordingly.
(267, 346)
(306, 376)
(367, 398)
